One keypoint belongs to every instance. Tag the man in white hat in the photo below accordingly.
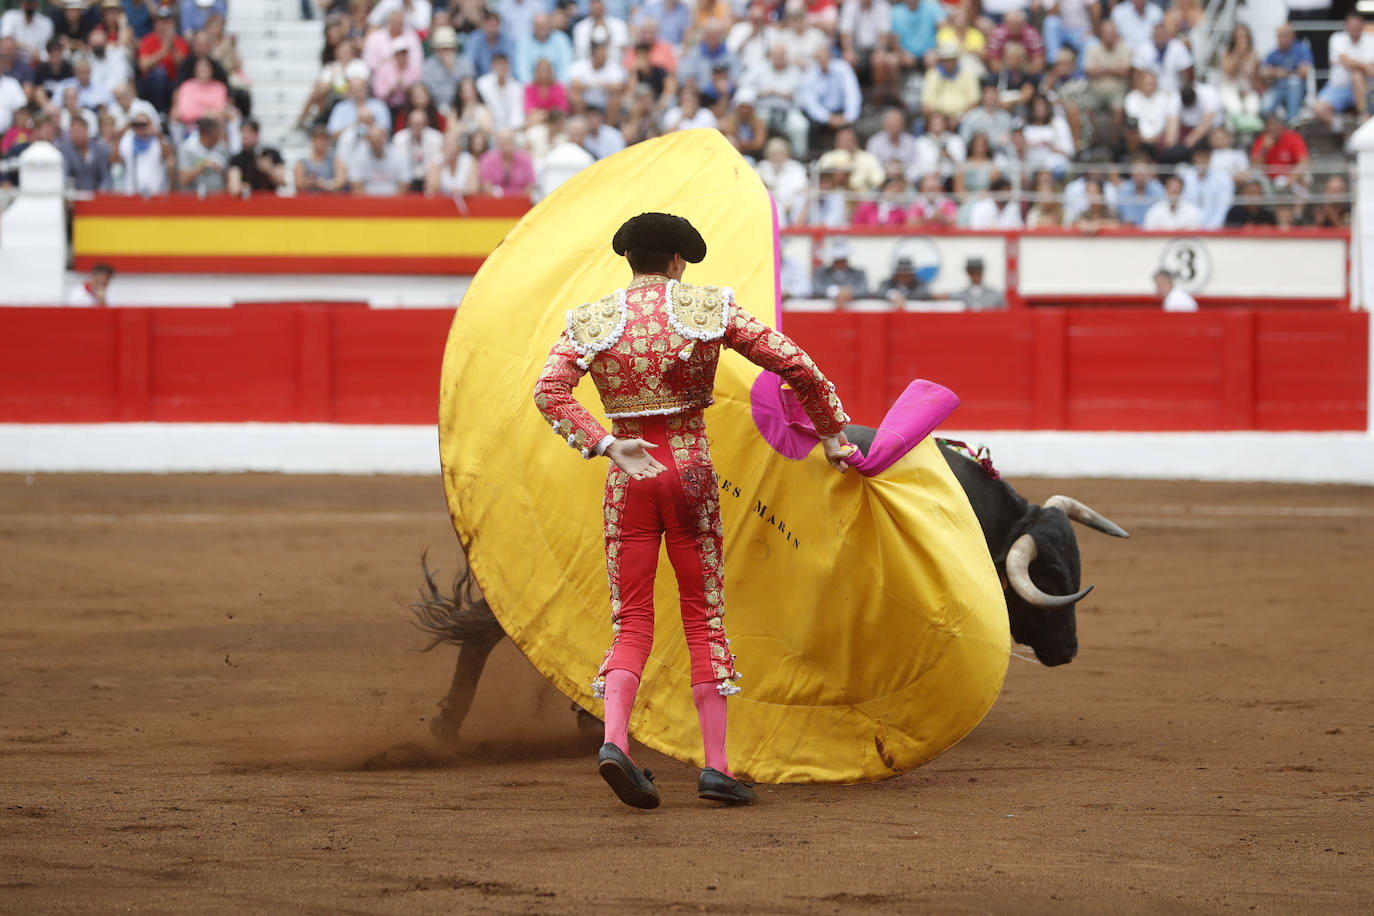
(951, 86)
(445, 68)
(839, 279)
(380, 45)
(396, 75)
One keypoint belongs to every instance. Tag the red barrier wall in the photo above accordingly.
(1028, 369)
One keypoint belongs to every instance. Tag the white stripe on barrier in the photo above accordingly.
(311, 448)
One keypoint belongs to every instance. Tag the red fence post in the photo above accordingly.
(314, 366)
(133, 365)
(1050, 392)
(1238, 370)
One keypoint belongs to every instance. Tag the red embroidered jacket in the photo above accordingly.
(652, 348)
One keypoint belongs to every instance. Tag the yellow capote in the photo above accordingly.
(866, 615)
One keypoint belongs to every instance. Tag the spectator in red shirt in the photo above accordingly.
(160, 53)
(1015, 29)
(1281, 150)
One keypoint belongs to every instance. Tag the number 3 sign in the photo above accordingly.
(1189, 262)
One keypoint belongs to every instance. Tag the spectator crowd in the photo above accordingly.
(925, 113)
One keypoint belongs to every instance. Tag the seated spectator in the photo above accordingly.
(419, 99)
(160, 53)
(800, 42)
(544, 94)
(599, 26)
(331, 85)
(1174, 212)
(203, 159)
(914, 22)
(939, 151)
(904, 284)
(1047, 211)
(932, 206)
(893, 144)
(393, 77)
(598, 79)
(418, 150)
(202, 96)
(863, 29)
(95, 291)
(1140, 193)
(866, 172)
(1153, 114)
(1107, 64)
(744, 127)
(688, 113)
(830, 97)
(506, 170)
(1016, 84)
(1049, 142)
(484, 44)
(1209, 189)
(1287, 209)
(1249, 208)
(1232, 161)
(958, 28)
(830, 206)
(701, 59)
(1199, 113)
(1097, 213)
(1135, 20)
(200, 50)
(838, 280)
(978, 170)
(1166, 57)
(988, 118)
(977, 296)
(993, 210)
(673, 19)
(565, 158)
(778, 85)
(375, 168)
(1174, 298)
(542, 42)
(1096, 167)
(888, 210)
(12, 99)
(455, 174)
(445, 69)
(644, 72)
(1334, 211)
(1240, 83)
(658, 53)
(347, 113)
(91, 94)
(785, 178)
(1284, 75)
(416, 14)
(469, 115)
(502, 94)
(86, 157)
(146, 155)
(602, 139)
(1282, 151)
(382, 47)
(320, 171)
(72, 111)
(1069, 24)
(254, 167)
(1352, 63)
(641, 121)
(1015, 30)
(751, 36)
(1067, 93)
(951, 87)
(48, 75)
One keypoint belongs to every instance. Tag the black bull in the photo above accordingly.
(1033, 547)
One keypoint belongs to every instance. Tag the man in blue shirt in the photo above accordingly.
(830, 96)
(1210, 190)
(700, 62)
(486, 42)
(1285, 71)
(914, 22)
(1138, 194)
(195, 14)
(673, 18)
(542, 41)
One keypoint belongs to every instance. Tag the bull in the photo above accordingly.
(1033, 547)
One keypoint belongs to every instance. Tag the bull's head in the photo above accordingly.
(1043, 578)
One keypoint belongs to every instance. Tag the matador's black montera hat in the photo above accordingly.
(660, 232)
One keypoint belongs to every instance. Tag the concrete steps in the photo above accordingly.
(281, 55)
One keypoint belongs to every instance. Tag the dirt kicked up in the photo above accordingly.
(212, 702)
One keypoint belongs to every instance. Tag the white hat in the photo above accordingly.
(357, 70)
(949, 49)
(444, 37)
(837, 248)
(746, 96)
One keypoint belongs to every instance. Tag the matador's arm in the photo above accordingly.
(774, 351)
(553, 395)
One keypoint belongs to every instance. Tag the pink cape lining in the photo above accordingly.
(919, 409)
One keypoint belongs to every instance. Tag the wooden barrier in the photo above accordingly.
(1028, 369)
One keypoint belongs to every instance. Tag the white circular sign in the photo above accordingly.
(1189, 261)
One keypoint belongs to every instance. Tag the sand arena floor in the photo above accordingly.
(212, 702)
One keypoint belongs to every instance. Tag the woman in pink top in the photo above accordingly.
(932, 206)
(505, 169)
(887, 210)
(200, 96)
(544, 94)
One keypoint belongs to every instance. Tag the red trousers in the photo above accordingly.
(682, 504)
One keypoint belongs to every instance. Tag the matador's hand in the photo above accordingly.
(837, 448)
(632, 457)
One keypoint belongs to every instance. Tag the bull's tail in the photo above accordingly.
(465, 618)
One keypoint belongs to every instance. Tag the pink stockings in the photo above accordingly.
(621, 686)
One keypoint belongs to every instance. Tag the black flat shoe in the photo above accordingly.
(713, 785)
(631, 785)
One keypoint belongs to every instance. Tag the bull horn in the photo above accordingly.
(1019, 559)
(1086, 515)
